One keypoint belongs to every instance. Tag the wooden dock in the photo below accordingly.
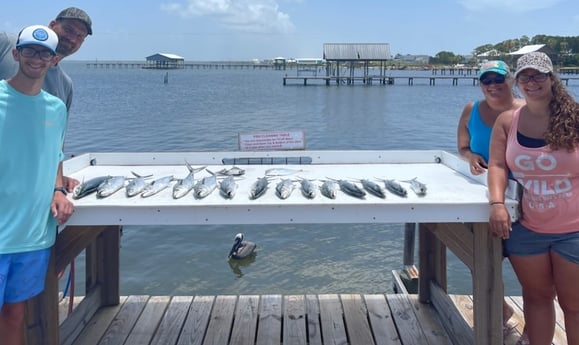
(364, 319)
(390, 80)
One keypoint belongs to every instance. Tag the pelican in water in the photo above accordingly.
(241, 249)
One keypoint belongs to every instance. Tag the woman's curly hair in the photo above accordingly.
(563, 132)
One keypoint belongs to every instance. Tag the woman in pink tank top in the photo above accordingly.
(538, 143)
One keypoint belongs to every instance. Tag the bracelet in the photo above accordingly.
(60, 189)
(496, 203)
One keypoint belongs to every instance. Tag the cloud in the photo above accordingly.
(516, 6)
(261, 16)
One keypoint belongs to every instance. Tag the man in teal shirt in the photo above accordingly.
(32, 199)
(72, 25)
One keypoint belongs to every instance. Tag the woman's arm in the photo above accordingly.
(497, 178)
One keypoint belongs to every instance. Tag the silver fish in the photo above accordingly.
(329, 189)
(184, 186)
(309, 189)
(281, 171)
(136, 185)
(205, 186)
(228, 187)
(418, 187)
(88, 187)
(233, 171)
(351, 188)
(258, 188)
(284, 188)
(156, 186)
(373, 188)
(110, 186)
(395, 187)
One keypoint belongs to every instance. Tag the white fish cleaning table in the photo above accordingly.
(453, 214)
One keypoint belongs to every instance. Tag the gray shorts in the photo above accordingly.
(525, 242)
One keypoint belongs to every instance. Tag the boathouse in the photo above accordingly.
(349, 56)
(165, 61)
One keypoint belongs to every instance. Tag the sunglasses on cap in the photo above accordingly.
(497, 79)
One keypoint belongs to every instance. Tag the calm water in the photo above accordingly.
(204, 110)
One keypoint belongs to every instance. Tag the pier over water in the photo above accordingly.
(454, 76)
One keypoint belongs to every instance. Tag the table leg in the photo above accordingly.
(487, 286)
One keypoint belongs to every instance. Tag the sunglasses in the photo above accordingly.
(538, 78)
(498, 79)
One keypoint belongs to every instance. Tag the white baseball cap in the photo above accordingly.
(38, 35)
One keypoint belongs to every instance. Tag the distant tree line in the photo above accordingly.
(564, 50)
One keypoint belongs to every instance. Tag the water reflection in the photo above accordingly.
(236, 265)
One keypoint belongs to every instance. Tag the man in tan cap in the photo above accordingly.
(72, 25)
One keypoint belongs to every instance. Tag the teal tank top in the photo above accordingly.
(480, 133)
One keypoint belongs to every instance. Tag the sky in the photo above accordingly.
(210, 30)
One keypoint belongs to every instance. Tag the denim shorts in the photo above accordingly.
(525, 242)
(22, 275)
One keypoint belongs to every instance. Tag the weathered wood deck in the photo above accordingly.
(267, 319)
(277, 319)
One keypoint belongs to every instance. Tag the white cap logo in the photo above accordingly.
(40, 34)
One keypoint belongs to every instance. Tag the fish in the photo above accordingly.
(309, 189)
(418, 187)
(284, 188)
(228, 187)
(281, 171)
(88, 187)
(258, 188)
(233, 171)
(205, 186)
(373, 188)
(329, 189)
(184, 186)
(136, 185)
(156, 186)
(110, 186)
(351, 188)
(395, 187)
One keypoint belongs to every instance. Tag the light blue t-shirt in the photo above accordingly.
(32, 130)
(480, 133)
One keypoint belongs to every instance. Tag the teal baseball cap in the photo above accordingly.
(496, 66)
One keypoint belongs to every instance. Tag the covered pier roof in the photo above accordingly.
(357, 51)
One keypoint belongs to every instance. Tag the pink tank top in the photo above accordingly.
(550, 181)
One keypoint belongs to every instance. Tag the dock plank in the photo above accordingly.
(197, 321)
(220, 321)
(406, 321)
(145, 327)
(333, 328)
(313, 320)
(430, 322)
(381, 320)
(172, 321)
(97, 325)
(356, 321)
(294, 324)
(124, 321)
(270, 320)
(245, 323)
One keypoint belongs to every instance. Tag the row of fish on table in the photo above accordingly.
(226, 181)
